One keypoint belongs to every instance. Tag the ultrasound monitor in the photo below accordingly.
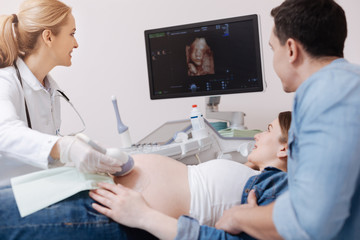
(208, 58)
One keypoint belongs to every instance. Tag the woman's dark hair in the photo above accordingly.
(319, 25)
(284, 121)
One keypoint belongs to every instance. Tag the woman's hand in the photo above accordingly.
(129, 208)
(121, 204)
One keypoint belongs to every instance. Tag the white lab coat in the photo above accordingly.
(17, 140)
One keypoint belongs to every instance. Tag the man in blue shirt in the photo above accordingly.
(323, 200)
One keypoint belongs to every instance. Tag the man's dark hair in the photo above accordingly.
(319, 25)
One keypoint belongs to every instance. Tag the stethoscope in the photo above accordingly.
(61, 94)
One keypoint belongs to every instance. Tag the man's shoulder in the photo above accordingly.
(337, 76)
(341, 66)
(337, 70)
(336, 87)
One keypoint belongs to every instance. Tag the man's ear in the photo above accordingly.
(282, 152)
(47, 37)
(292, 49)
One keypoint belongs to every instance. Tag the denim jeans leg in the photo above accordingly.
(73, 218)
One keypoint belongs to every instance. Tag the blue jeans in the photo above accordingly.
(73, 218)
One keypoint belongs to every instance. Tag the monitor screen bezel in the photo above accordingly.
(253, 17)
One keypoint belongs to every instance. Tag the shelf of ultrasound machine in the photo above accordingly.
(190, 146)
(164, 134)
(175, 150)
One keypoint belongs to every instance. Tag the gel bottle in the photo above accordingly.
(198, 124)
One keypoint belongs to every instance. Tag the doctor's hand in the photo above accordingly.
(85, 158)
(229, 222)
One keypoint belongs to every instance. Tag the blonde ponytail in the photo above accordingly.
(34, 17)
(8, 45)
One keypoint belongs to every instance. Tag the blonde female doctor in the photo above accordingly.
(32, 42)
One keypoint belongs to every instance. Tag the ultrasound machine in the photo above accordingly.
(203, 59)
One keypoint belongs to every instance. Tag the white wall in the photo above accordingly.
(111, 60)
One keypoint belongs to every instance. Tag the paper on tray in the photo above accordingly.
(39, 190)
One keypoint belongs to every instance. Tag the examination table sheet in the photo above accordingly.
(39, 190)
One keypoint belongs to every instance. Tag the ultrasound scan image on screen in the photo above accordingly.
(209, 58)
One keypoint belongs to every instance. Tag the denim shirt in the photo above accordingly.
(323, 201)
(268, 185)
